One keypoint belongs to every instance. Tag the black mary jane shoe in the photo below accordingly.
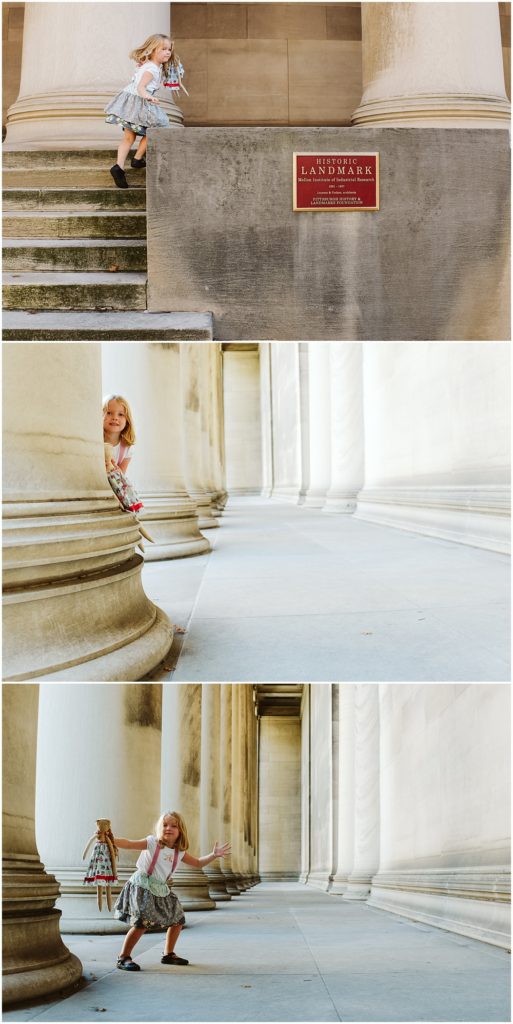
(137, 163)
(125, 963)
(119, 176)
(172, 958)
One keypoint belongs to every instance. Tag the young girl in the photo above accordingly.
(145, 900)
(117, 424)
(135, 107)
(118, 429)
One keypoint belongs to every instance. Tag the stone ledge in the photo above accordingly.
(89, 326)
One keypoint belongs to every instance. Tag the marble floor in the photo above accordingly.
(295, 594)
(286, 952)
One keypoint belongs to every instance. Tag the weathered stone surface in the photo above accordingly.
(106, 326)
(430, 264)
(74, 291)
(78, 255)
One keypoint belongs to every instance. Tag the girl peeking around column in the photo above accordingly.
(146, 900)
(135, 107)
(119, 442)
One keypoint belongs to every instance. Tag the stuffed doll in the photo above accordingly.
(101, 870)
(125, 493)
(123, 489)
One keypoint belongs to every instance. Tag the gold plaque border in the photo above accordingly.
(332, 209)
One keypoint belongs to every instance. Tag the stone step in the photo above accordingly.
(84, 254)
(74, 291)
(60, 158)
(72, 199)
(70, 177)
(124, 326)
(76, 225)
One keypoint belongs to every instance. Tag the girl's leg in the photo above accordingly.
(172, 938)
(131, 938)
(141, 149)
(124, 146)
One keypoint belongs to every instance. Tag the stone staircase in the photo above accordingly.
(74, 251)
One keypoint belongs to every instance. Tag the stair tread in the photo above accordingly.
(64, 188)
(62, 277)
(128, 322)
(65, 215)
(67, 243)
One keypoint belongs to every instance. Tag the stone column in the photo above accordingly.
(73, 66)
(207, 424)
(192, 399)
(347, 437)
(180, 783)
(367, 811)
(225, 784)
(432, 65)
(89, 740)
(346, 779)
(238, 790)
(209, 787)
(318, 424)
(218, 462)
(266, 419)
(36, 963)
(149, 376)
(74, 607)
(306, 746)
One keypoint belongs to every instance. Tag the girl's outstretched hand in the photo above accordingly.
(221, 851)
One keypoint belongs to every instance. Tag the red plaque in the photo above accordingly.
(335, 182)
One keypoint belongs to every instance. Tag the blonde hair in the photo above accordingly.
(144, 52)
(182, 842)
(128, 434)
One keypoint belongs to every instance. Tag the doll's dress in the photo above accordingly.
(100, 867)
(133, 111)
(124, 491)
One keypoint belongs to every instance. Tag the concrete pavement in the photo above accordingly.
(295, 594)
(287, 952)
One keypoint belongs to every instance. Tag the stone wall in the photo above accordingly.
(241, 392)
(269, 63)
(431, 264)
(279, 798)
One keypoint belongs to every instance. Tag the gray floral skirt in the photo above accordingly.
(141, 909)
(136, 113)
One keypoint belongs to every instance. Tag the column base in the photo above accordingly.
(358, 889)
(192, 890)
(69, 120)
(435, 111)
(36, 963)
(478, 516)
(174, 526)
(340, 502)
(206, 517)
(319, 880)
(217, 885)
(74, 606)
(473, 902)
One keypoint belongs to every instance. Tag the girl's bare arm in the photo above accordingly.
(131, 844)
(200, 862)
(141, 88)
(123, 466)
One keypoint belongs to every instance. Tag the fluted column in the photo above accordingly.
(318, 424)
(36, 963)
(149, 376)
(86, 741)
(82, 62)
(209, 786)
(192, 399)
(347, 437)
(367, 810)
(74, 607)
(225, 784)
(346, 780)
(432, 64)
(180, 783)
(206, 414)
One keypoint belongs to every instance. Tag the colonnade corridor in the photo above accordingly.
(293, 593)
(282, 951)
